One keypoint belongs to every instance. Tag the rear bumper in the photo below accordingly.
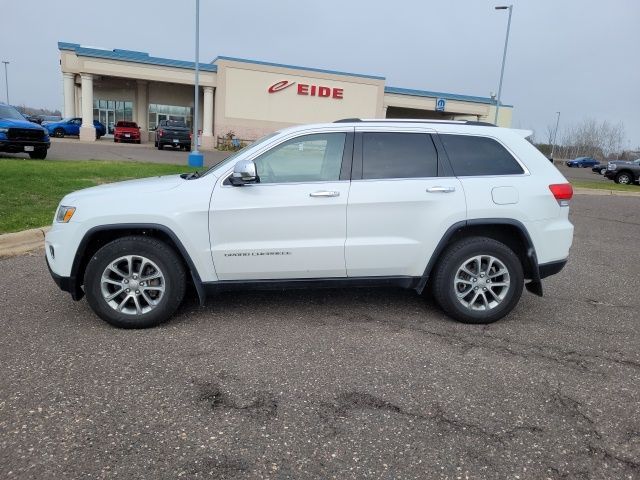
(551, 268)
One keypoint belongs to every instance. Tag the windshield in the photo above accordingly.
(231, 158)
(7, 111)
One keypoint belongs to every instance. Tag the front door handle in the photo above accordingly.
(325, 193)
(441, 189)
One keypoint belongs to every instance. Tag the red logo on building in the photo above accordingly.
(308, 90)
(276, 87)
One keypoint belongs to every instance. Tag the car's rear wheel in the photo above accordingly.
(624, 178)
(58, 132)
(38, 154)
(160, 146)
(135, 282)
(478, 280)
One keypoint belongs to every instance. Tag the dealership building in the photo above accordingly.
(247, 97)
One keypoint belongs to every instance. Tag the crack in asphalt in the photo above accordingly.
(260, 404)
(332, 412)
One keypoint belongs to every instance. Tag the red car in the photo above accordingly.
(126, 132)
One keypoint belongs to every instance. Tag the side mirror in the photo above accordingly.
(244, 172)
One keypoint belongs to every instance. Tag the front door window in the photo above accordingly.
(310, 158)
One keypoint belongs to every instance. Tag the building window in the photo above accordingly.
(159, 112)
(109, 112)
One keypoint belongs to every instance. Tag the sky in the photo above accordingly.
(578, 57)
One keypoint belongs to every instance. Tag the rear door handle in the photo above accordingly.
(325, 193)
(441, 189)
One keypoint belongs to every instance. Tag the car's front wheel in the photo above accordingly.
(58, 132)
(623, 178)
(135, 282)
(478, 280)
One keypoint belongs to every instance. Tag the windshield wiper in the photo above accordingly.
(190, 176)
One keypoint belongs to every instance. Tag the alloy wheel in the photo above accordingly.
(133, 285)
(481, 282)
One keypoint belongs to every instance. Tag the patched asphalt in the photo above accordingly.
(369, 383)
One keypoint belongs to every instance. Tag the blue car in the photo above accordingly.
(582, 162)
(17, 134)
(71, 126)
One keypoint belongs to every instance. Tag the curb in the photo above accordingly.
(12, 244)
(597, 191)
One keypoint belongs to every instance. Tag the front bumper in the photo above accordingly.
(16, 146)
(66, 284)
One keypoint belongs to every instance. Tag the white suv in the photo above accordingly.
(471, 210)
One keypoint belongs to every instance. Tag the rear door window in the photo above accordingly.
(398, 155)
(476, 156)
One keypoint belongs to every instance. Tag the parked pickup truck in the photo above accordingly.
(174, 133)
(624, 173)
(17, 134)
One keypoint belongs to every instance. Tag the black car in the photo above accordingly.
(33, 118)
(19, 135)
(600, 168)
(624, 173)
(174, 133)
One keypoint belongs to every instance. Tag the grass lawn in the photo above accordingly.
(610, 185)
(30, 190)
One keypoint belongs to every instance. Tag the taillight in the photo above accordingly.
(190, 135)
(563, 192)
(160, 133)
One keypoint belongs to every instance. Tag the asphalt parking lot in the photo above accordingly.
(371, 383)
(106, 149)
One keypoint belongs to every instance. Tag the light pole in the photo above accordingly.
(504, 57)
(196, 159)
(6, 79)
(555, 135)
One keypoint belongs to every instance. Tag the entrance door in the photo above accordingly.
(107, 117)
(292, 224)
(111, 121)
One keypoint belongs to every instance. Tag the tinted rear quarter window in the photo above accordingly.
(398, 155)
(472, 156)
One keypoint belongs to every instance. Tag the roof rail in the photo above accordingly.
(415, 120)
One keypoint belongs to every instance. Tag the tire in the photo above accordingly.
(58, 133)
(128, 310)
(160, 146)
(603, 171)
(624, 178)
(448, 281)
(38, 154)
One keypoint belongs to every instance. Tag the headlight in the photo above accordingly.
(65, 213)
(611, 166)
(3, 130)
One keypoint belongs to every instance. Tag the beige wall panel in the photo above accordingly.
(72, 63)
(427, 103)
(504, 116)
(171, 94)
(246, 97)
